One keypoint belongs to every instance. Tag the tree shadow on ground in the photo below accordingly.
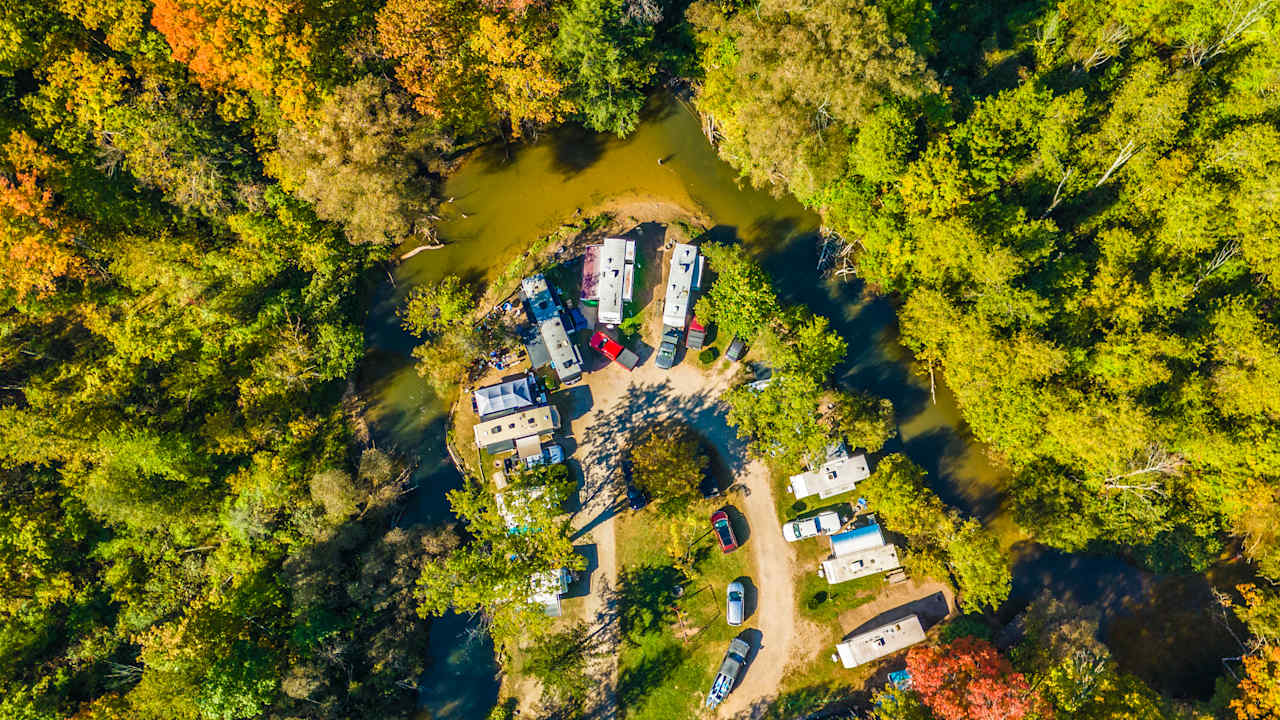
(750, 597)
(581, 587)
(816, 701)
(649, 237)
(755, 641)
(646, 598)
(636, 682)
(931, 610)
(604, 444)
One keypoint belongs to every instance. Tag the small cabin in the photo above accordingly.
(501, 434)
(882, 641)
(833, 477)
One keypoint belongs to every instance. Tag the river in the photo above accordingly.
(503, 199)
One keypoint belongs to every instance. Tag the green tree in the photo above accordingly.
(499, 571)
(440, 314)
(560, 662)
(668, 463)
(936, 535)
(607, 57)
(357, 162)
(864, 421)
(894, 704)
(776, 61)
(437, 309)
(741, 300)
(806, 346)
(784, 420)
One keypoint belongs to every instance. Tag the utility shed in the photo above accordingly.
(884, 640)
(542, 304)
(615, 275)
(832, 478)
(504, 398)
(860, 563)
(686, 266)
(565, 358)
(501, 434)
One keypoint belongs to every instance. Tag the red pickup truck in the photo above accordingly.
(613, 350)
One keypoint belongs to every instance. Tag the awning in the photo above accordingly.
(527, 447)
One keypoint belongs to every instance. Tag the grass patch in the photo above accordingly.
(672, 640)
(824, 603)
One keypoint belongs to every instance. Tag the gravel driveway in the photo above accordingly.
(606, 406)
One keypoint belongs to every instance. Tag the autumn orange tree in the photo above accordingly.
(37, 241)
(1260, 687)
(970, 680)
(274, 48)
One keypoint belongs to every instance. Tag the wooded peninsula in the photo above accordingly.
(1074, 208)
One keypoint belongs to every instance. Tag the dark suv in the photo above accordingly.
(667, 350)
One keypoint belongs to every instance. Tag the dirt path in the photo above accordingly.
(775, 615)
(601, 411)
(602, 493)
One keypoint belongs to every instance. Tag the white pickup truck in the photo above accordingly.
(734, 659)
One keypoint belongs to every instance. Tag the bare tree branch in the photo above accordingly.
(1155, 460)
(1057, 193)
(1130, 149)
(1221, 258)
(1243, 15)
(1113, 38)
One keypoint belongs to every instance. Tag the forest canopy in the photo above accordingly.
(1074, 203)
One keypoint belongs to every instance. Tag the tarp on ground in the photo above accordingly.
(591, 274)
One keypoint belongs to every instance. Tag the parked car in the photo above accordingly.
(724, 531)
(736, 349)
(696, 336)
(730, 668)
(667, 349)
(825, 523)
(735, 604)
(613, 350)
(636, 497)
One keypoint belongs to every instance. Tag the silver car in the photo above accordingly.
(736, 599)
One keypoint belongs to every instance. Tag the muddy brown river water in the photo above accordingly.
(504, 198)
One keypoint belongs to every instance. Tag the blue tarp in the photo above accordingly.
(863, 538)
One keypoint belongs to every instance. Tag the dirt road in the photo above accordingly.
(775, 615)
(604, 409)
